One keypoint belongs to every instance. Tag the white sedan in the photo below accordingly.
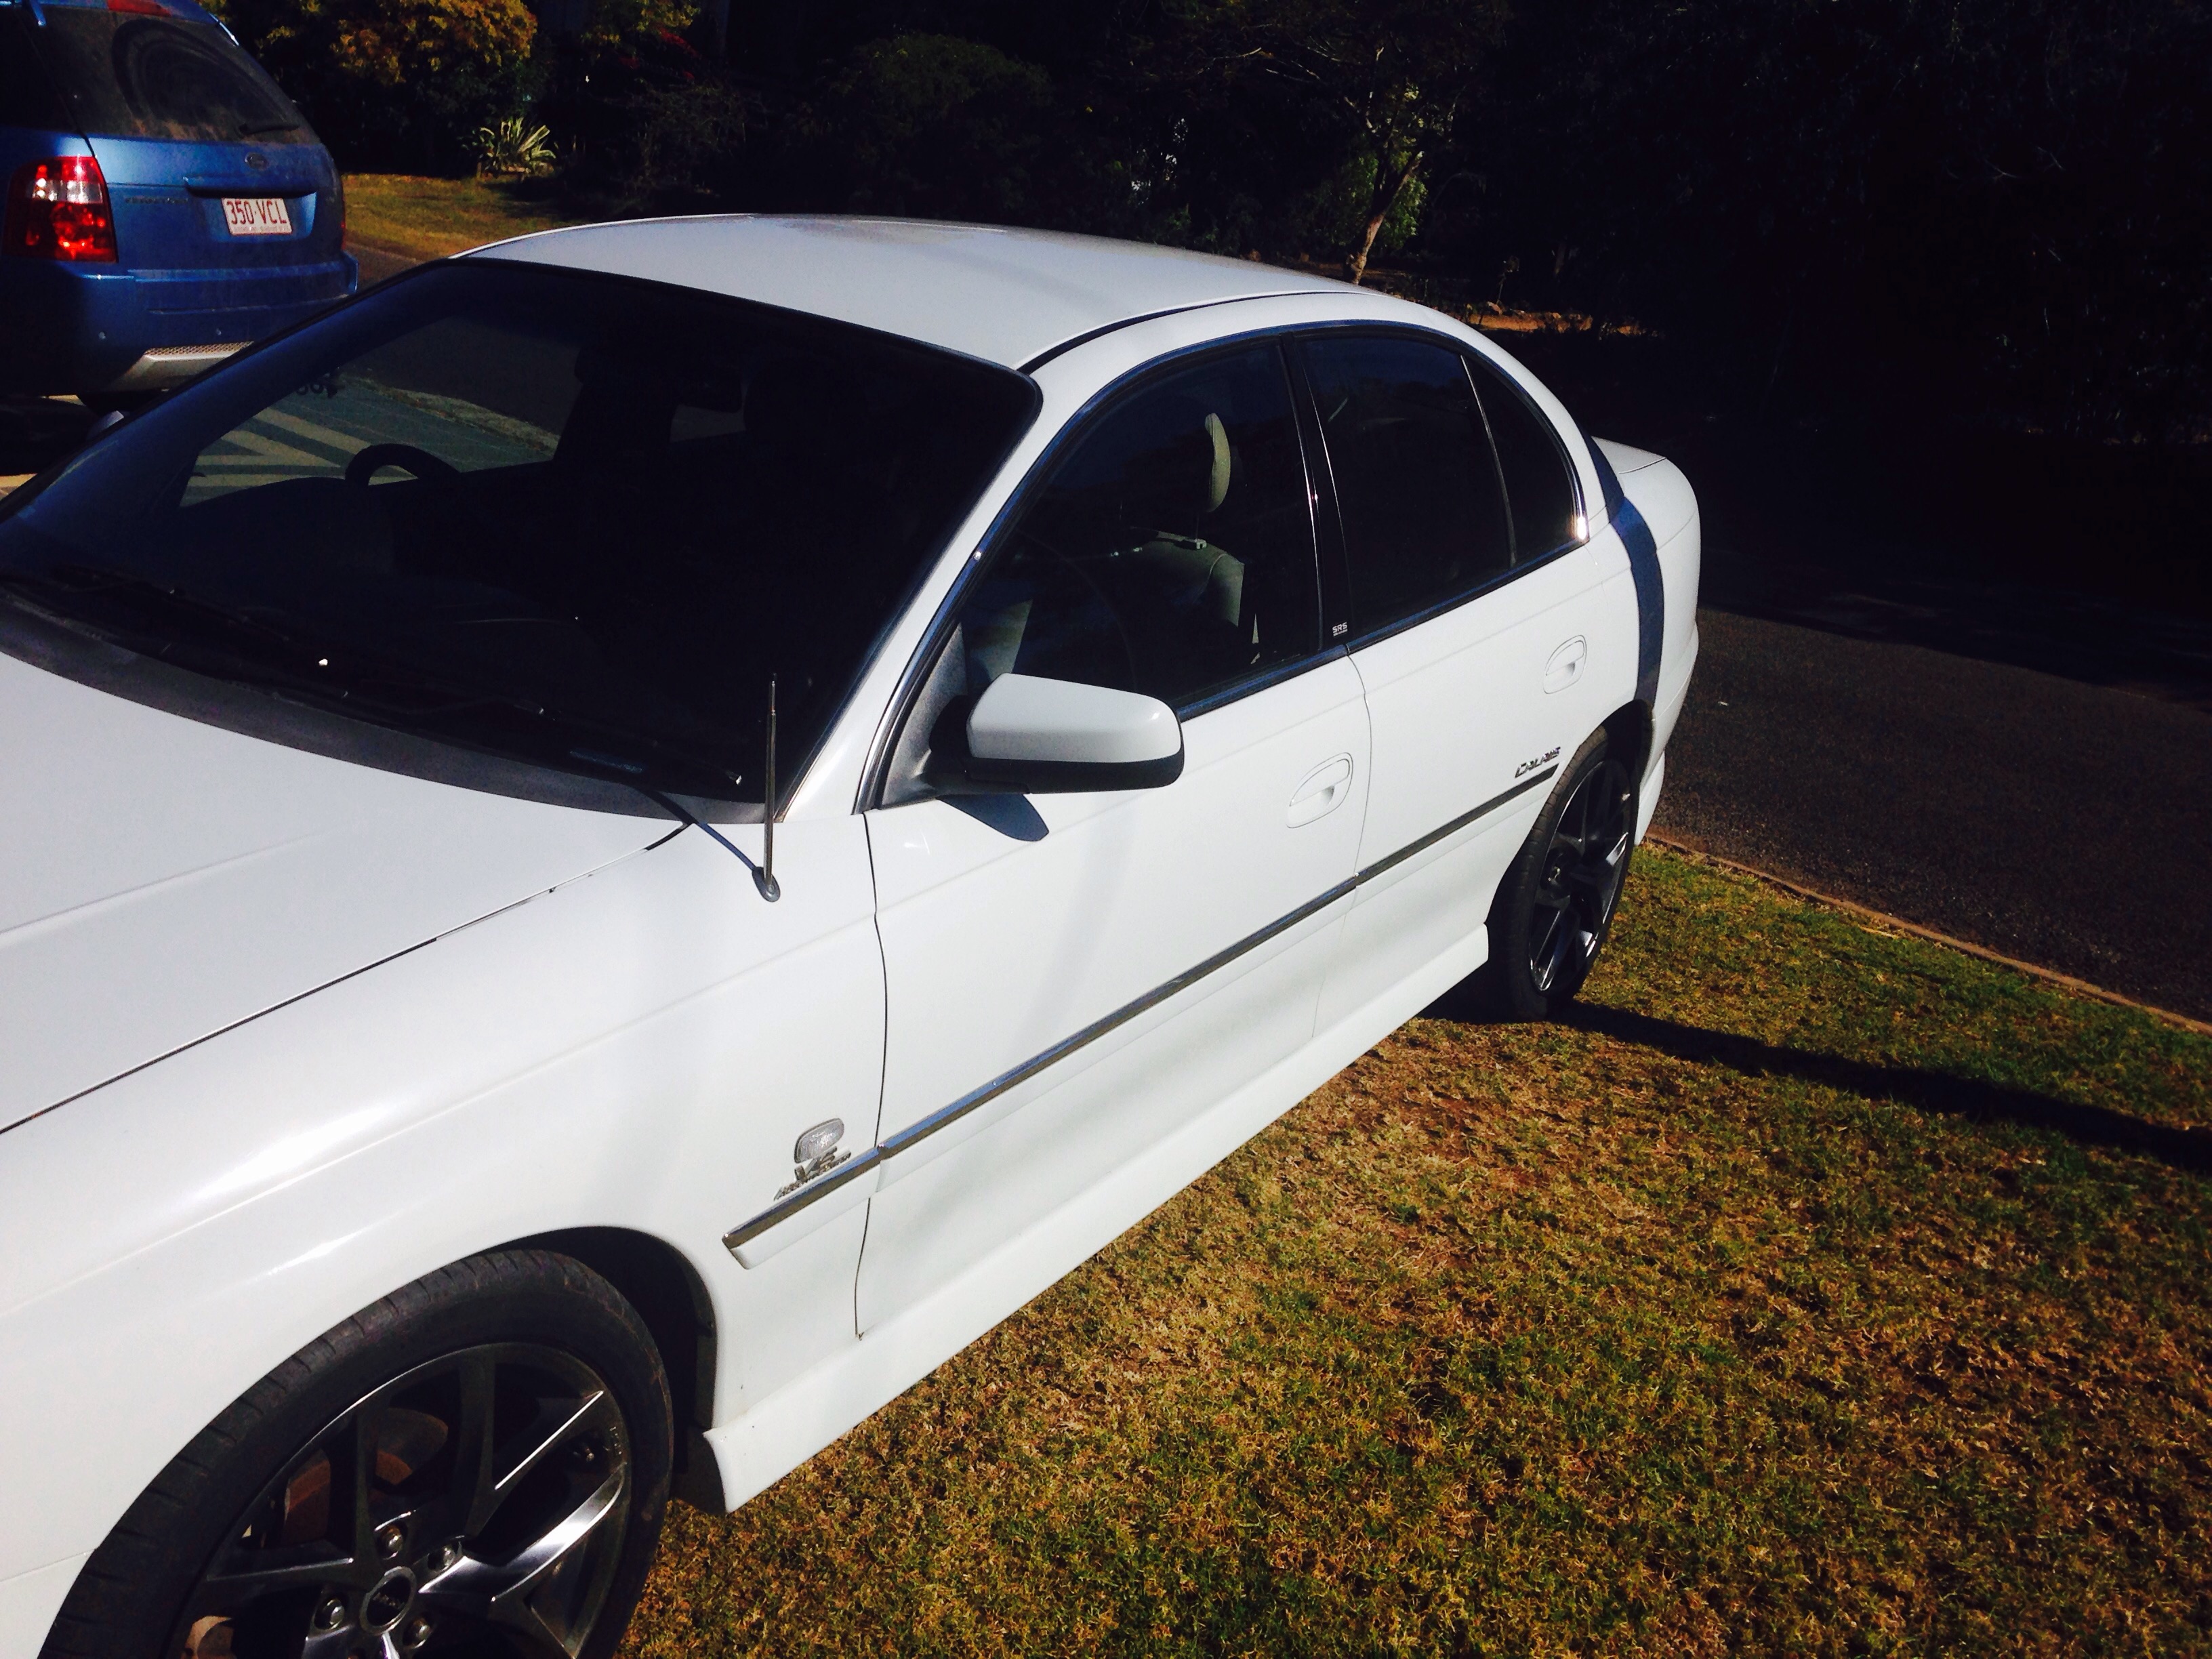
(612, 850)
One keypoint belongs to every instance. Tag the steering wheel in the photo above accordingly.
(421, 463)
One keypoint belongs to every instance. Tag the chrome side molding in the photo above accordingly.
(817, 1179)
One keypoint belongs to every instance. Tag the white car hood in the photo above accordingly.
(162, 879)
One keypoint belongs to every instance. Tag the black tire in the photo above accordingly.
(1557, 901)
(437, 1391)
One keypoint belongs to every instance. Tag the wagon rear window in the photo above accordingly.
(131, 74)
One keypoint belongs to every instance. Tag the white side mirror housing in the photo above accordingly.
(1030, 736)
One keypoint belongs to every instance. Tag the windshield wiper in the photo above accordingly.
(248, 131)
(84, 580)
(348, 681)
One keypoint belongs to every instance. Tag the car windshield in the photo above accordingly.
(134, 72)
(574, 520)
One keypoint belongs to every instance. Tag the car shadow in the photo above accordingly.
(1940, 1092)
(1943, 1092)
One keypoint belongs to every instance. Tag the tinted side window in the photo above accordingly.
(1538, 488)
(1423, 517)
(1170, 553)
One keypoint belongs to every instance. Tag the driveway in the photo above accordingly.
(2065, 823)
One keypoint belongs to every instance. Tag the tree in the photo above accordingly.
(1398, 74)
(940, 126)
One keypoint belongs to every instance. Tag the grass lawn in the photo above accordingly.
(1815, 1292)
(429, 218)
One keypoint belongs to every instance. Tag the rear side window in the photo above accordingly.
(1538, 490)
(1170, 553)
(27, 98)
(131, 75)
(1425, 519)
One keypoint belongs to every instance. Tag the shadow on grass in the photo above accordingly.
(1973, 1098)
(1928, 1092)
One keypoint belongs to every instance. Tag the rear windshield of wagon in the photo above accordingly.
(135, 70)
(576, 521)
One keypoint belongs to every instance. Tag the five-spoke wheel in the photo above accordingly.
(475, 1466)
(1557, 902)
(1582, 871)
(481, 1496)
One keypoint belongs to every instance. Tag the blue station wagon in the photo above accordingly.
(166, 202)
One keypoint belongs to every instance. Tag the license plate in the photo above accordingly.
(257, 215)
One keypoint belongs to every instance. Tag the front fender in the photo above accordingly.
(629, 1050)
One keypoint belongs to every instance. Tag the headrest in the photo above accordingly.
(1223, 463)
(1184, 467)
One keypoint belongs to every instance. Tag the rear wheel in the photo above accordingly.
(476, 1466)
(1556, 904)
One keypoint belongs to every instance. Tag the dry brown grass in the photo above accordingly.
(1818, 1292)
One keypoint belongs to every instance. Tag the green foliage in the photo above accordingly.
(1397, 73)
(648, 119)
(617, 28)
(1994, 209)
(510, 147)
(1332, 217)
(394, 81)
(937, 126)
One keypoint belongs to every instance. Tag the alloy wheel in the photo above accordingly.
(1583, 870)
(476, 1505)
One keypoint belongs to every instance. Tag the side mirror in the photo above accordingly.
(1029, 736)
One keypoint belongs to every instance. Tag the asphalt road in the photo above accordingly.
(378, 265)
(2064, 823)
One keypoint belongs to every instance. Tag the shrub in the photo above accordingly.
(641, 114)
(509, 148)
(394, 82)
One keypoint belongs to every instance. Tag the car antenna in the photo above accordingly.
(764, 872)
(764, 877)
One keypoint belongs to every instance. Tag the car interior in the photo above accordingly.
(1170, 553)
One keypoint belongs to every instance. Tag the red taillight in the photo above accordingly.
(58, 210)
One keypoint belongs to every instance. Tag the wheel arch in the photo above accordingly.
(1629, 728)
(657, 1280)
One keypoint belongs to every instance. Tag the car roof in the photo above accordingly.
(1007, 296)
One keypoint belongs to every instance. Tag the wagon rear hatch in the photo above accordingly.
(220, 189)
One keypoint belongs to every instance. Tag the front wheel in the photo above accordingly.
(1557, 902)
(475, 1466)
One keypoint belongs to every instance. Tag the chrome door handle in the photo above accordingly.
(1321, 793)
(1565, 666)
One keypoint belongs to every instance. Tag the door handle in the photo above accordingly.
(1565, 666)
(1321, 793)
